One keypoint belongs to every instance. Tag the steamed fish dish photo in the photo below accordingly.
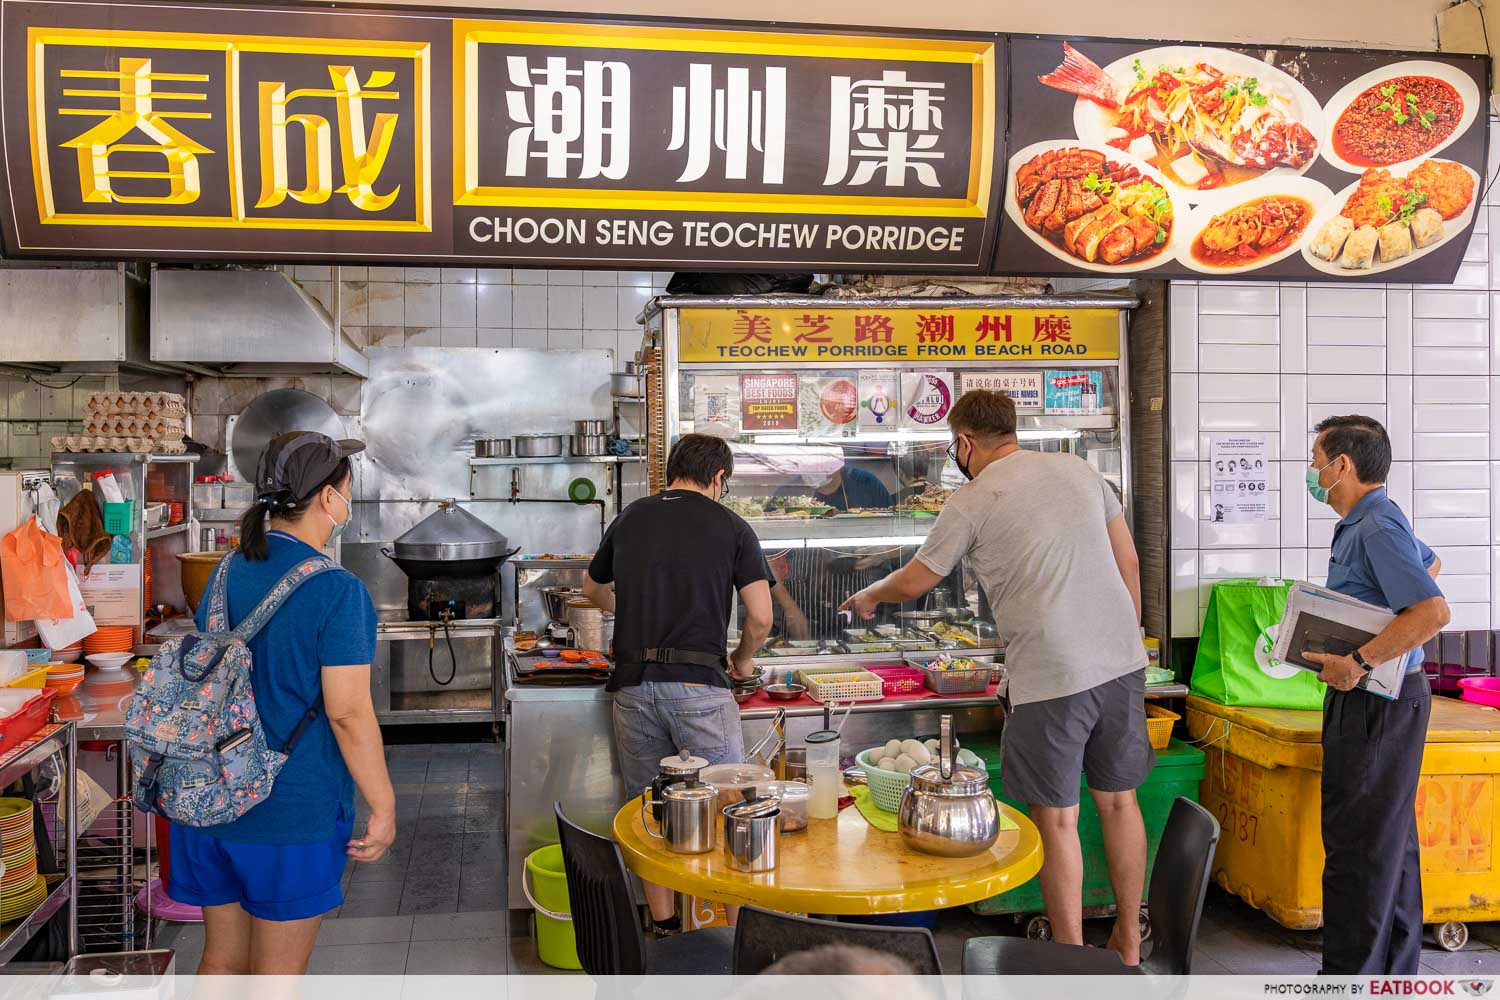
(1203, 126)
(1098, 210)
(1387, 218)
(1252, 232)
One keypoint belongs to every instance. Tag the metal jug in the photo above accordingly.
(670, 771)
(752, 831)
(948, 809)
(687, 823)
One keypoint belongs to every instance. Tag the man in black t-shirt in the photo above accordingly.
(676, 561)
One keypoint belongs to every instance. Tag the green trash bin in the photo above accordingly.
(546, 887)
(1179, 770)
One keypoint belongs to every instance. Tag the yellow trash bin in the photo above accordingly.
(1262, 780)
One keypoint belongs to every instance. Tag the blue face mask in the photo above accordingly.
(339, 526)
(1317, 492)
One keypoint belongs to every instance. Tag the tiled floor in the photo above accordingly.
(440, 909)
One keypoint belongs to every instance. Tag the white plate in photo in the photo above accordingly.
(1013, 208)
(1216, 202)
(1095, 126)
(1451, 228)
(1460, 81)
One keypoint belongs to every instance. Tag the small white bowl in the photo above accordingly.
(110, 661)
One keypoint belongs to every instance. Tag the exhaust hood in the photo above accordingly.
(87, 319)
(246, 322)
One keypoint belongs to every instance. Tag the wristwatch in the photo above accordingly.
(1364, 665)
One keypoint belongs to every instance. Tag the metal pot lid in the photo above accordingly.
(681, 764)
(965, 781)
(755, 808)
(451, 533)
(690, 791)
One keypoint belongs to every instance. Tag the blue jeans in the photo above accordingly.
(660, 718)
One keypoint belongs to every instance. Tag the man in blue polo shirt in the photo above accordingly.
(1372, 746)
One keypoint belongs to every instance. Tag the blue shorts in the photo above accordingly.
(268, 881)
(657, 719)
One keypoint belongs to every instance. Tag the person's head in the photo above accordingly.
(984, 429)
(1350, 457)
(303, 480)
(700, 462)
(839, 960)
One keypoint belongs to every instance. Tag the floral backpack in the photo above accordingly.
(196, 741)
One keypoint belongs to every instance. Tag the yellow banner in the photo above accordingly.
(835, 335)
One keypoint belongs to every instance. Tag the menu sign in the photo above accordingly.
(1249, 164)
(834, 334)
(768, 402)
(187, 130)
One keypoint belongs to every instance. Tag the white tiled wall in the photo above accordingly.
(488, 307)
(1278, 358)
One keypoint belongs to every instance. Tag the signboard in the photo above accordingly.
(1239, 476)
(1023, 388)
(768, 402)
(1135, 159)
(191, 131)
(841, 335)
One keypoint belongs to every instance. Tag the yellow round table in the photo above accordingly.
(838, 866)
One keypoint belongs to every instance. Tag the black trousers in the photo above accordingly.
(1372, 875)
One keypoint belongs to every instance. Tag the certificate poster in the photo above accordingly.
(716, 405)
(1023, 388)
(112, 593)
(768, 402)
(926, 399)
(1073, 393)
(1239, 474)
(879, 400)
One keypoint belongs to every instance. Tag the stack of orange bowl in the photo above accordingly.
(22, 890)
(64, 677)
(110, 639)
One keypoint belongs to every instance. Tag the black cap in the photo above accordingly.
(296, 463)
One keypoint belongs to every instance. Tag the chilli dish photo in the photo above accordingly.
(1085, 206)
(1201, 121)
(1399, 114)
(1386, 221)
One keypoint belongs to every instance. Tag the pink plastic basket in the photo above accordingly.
(1481, 690)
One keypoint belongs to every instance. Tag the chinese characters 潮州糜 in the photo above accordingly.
(558, 109)
(895, 124)
(733, 119)
(137, 112)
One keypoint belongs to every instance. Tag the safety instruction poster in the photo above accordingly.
(1239, 475)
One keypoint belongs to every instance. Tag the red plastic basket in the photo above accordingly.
(898, 680)
(28, 719)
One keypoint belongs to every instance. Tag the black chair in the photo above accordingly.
(764, 937)
(1179, 882)
(607, 925)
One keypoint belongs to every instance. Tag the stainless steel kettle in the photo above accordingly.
(948, 809)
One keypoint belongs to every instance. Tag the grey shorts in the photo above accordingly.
(1101, 733)
(660, 718)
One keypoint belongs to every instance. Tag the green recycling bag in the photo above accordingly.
(1234, 664)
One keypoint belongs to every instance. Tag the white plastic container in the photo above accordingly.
(208, 496)
(238, 496)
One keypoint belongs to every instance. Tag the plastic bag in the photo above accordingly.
(34, 574)
(59, 633)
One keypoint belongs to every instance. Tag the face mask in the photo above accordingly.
(1317, 492)
(962, 465)
(339, 526)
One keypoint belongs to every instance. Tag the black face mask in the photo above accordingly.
(962, 465)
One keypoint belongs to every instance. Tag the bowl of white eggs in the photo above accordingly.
(888, 768)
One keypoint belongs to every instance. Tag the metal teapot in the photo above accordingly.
(948, 809)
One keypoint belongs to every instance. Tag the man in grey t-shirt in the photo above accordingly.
(1046, 537)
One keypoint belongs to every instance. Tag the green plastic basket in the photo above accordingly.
(886, 787)
(117, 517)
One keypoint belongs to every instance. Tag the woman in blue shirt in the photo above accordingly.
(265, 880)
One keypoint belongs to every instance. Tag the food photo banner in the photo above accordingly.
(1204, 162)
(183, 131)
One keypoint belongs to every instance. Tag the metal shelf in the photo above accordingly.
(13, 937)
(45, 742)
(582, 563)
(174, 529)
(560, 460)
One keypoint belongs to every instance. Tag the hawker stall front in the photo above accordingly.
(836, 410)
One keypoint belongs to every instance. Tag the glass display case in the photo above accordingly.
(836, 410)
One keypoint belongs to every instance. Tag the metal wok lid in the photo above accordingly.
(451, 533)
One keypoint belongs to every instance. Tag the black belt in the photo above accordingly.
(663, 655)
